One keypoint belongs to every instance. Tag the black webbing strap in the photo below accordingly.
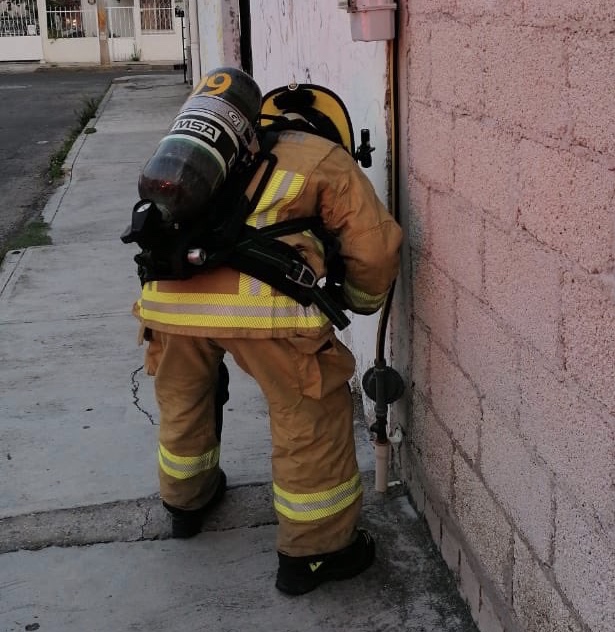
(334, 262)
(280, 265)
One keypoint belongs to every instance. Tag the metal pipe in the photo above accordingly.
(195, 48)
(380, 371)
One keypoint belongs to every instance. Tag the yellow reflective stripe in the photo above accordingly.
(226, 310)
(308, 318)
(295, 182)
(151, 292)
(268, 196)
(358, 298)
(251, 286)
(183, 467)
(216, 316)
(283, 187)
(307, 507)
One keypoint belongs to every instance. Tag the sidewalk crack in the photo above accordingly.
(134, 381)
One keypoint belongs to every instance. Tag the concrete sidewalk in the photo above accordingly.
(83, 539)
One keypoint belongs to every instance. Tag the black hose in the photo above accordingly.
(394, 96)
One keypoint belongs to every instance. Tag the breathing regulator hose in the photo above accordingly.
(382, 383)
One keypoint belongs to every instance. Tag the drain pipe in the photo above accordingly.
(382, 383)
(194, 40)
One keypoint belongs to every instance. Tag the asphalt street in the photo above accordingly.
(39, 108)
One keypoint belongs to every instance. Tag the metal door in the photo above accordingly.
(121, 33)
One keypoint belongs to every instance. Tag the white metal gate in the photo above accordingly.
(121, 32)
(19, 31)
(18, 18)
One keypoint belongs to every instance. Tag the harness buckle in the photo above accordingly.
(302, 275)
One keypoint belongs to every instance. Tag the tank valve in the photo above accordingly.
(196, 256)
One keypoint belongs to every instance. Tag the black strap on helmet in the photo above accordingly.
(300, 101)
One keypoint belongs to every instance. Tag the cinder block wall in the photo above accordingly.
(508, 298)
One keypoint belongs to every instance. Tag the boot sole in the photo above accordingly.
(306, 588)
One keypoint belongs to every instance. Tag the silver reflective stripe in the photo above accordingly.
(282, 190)
(256, 286)
(306, 507)
(229, 310)
(183, 467)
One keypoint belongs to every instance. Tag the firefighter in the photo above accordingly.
(290, 349)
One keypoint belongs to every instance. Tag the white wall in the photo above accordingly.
(24, 48)
(70, 50)
(294, 40)
(161, 46)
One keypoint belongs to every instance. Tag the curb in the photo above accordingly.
(8, 267)
(54, 202)
(146, 519)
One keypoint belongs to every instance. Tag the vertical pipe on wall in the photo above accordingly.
(218, 34)
(382, 383)
(136, 20)
(230, 32)
(193, 34)
(245, 36)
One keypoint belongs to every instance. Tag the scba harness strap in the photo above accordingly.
(172, 251)
(278, 264)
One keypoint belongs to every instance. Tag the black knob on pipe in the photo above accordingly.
(363, 155)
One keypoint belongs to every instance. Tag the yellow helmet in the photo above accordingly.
(319, 106)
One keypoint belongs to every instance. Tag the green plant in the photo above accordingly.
(34, 233)
(57, 159)
(136, 53)
(88, 111)
(84, 115)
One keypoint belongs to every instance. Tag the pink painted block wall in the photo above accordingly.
(508, 157)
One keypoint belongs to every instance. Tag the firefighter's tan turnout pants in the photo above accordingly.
(316, 485)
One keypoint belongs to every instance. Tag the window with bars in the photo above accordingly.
(68, 19)
(156, 15)
(18, 17)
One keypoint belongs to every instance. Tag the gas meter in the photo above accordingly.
(370, 20)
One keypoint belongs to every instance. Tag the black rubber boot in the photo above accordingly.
(299, 575)
(186, 523)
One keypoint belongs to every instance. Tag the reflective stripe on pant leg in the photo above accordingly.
(183, 467)
(186, 385)
(315, 473)
(323, 504)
